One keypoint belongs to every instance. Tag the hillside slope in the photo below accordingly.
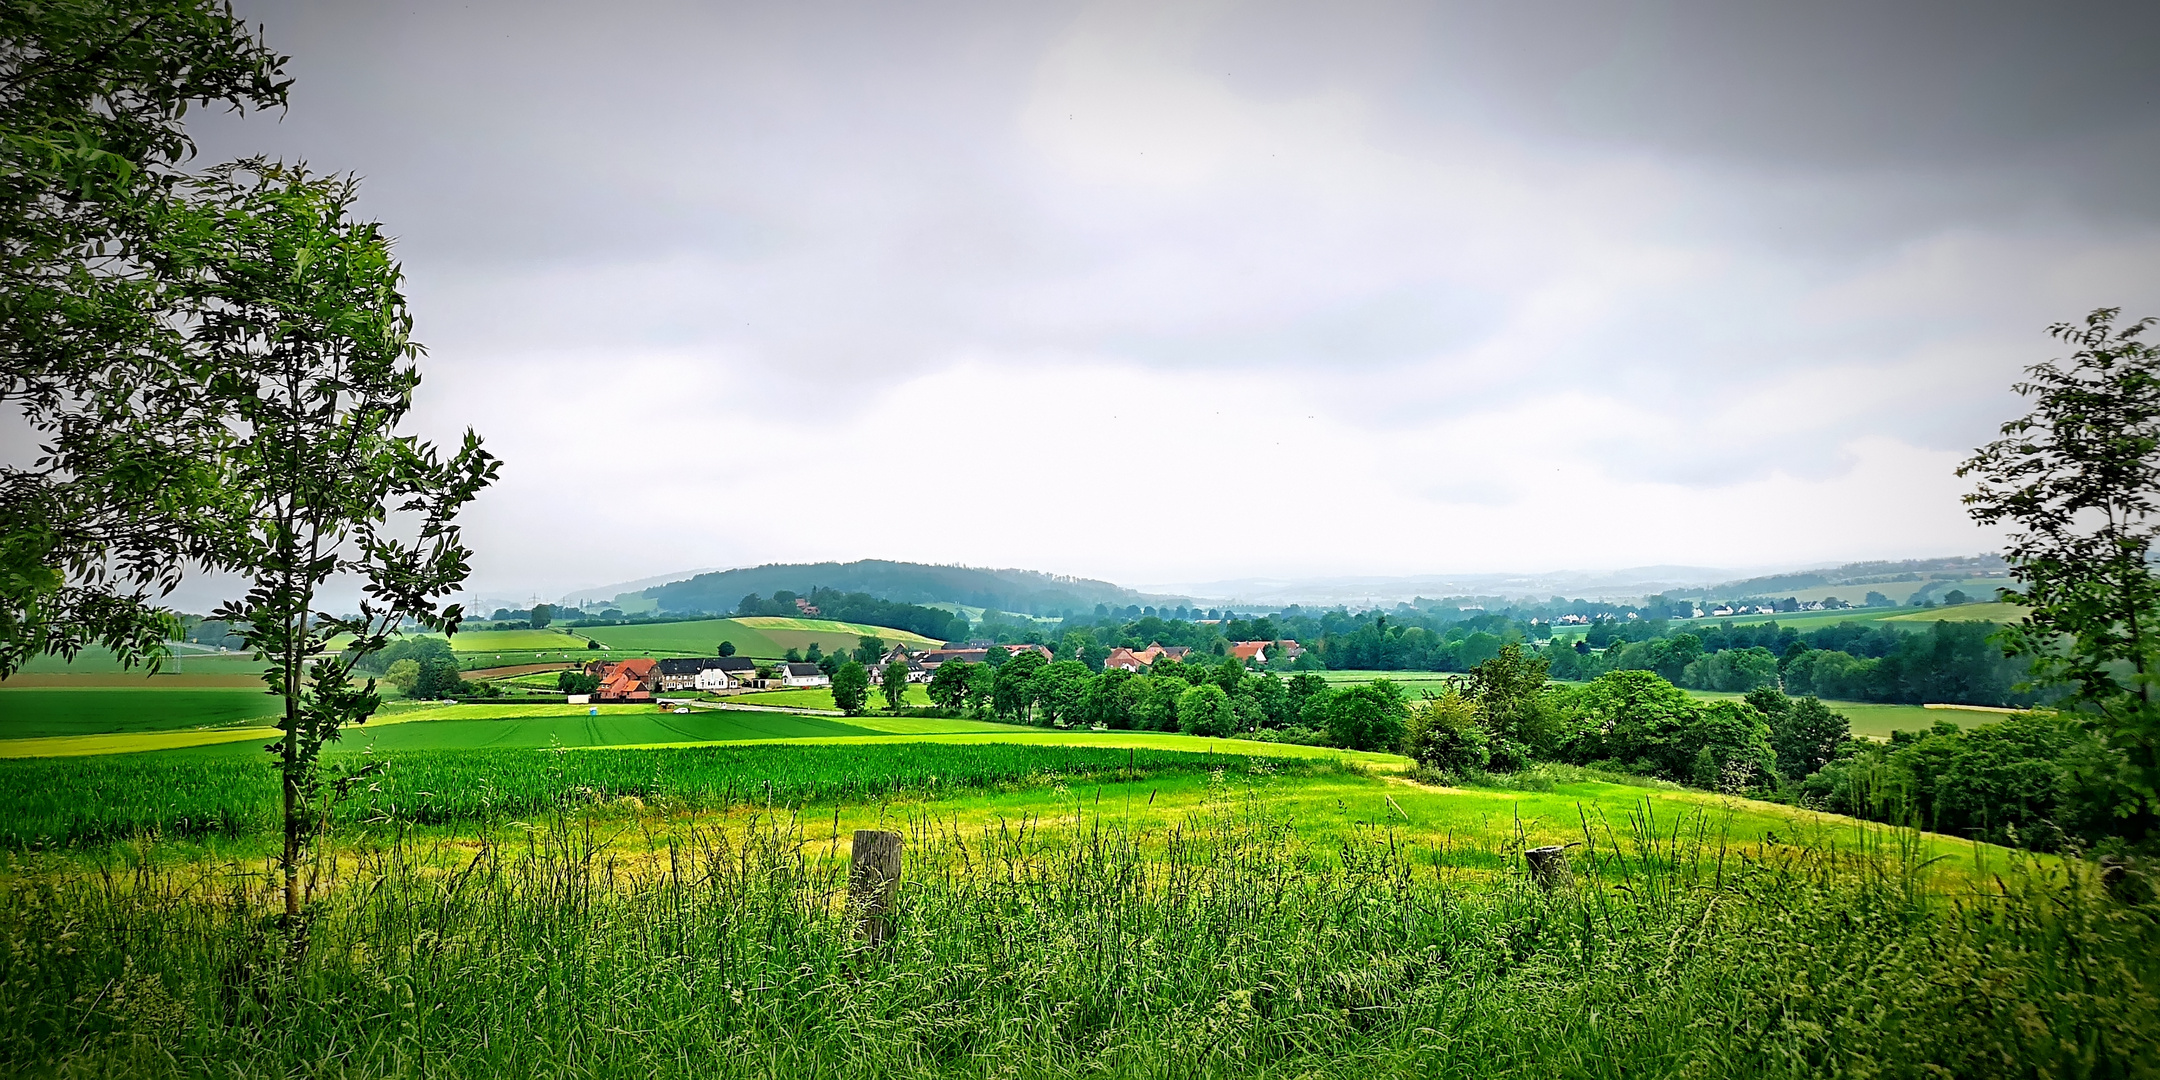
(1027, 592)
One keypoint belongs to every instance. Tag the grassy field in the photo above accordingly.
(1064, 911)
(1987, 612)
(189, 660)
(765, 638)
(917, 696)
(40, 712)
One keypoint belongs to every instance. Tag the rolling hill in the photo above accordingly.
(1026, 592)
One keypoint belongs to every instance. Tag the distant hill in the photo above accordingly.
(1955, 567)
(1026, 592)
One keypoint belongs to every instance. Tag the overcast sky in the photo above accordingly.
(1163, 293)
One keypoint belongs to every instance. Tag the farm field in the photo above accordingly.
(186, 660)
(1984, 612)
(41, 712)
(761, 637)
(819, 697)
(1145, 879)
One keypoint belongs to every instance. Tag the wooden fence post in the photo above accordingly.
(1548, 866)
(873, 883)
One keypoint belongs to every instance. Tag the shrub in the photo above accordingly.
(1444, 735)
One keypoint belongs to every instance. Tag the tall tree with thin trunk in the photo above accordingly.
(2077, 478)
(315, 369)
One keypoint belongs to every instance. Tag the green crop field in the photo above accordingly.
(40, 712)
(917, 696)
(1216, 908)
(1985, 612)
(186, 659)
(765, 638)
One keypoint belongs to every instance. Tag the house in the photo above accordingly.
(1287, 649)
(916, 672)
(1250, 652)
(677, 673)
(803, 675)
(706, 672)
(629, 680)
(931, 658)
(805, 607)
(727, 673)
(1123, 659)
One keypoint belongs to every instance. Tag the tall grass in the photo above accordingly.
(76, 802)
(1228, 946)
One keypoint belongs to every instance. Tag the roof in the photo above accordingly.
(683, 665)
(732, 663)
(636, 669)
(799, 670)
(1246, 650)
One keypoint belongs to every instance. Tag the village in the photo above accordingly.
(638, 679)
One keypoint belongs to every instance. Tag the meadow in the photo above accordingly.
(1062, 912)
(45, 711)
(761, 637)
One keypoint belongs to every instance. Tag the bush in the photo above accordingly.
(1444, 735)
(1205, 710)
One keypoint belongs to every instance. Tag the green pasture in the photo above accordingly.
(765, 638)
(45, 712)
(186, 659)
(820, 697)
(551, 727)
(1985, 612)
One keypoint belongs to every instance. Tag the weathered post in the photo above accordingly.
(1548, 866)
(873, 883)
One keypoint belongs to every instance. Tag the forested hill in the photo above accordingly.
(1021, 591)
(1853, 574)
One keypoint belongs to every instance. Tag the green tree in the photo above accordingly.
(949, 685)
(1445, 734)
(438, 678)
(727, 648)
(1014, 696)
(816, 653)
(1155, 702)
(1804, 733)
(868, 648)
(851, 688)
(1634, 718)
(576, 682)
(2077, 478)
(96, 356)
(314, 373)
(1206, 710)
(981, 687)
(542, 614)
(892, 683)
(1733, 740)
(404, 674)
(1059, 688)
(1108, 700)
(792, 656)
(1368, 716)
(1511, 696)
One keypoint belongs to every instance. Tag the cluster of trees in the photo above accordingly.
(536, 617)
(1956, 662)
(858, 607)
(1218, 698)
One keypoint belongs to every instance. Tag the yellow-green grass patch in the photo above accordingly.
(44, 712)
(765, 638)
(1990, 611)
(820, 697)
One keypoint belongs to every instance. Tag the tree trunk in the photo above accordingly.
(1548, 866)
(873, 883)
